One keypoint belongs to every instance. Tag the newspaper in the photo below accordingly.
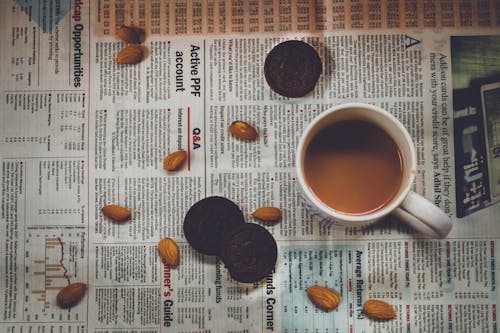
(79, 131)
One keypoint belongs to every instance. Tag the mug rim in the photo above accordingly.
(355, 219)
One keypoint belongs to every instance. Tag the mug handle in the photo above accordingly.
(423, 216)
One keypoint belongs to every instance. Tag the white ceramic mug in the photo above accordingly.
(408, 206)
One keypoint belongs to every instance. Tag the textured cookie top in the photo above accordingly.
(249, 252)
(207, 221)
(292, 68)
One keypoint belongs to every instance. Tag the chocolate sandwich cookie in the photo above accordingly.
(249, 252)
(292, 68)
(206, 222)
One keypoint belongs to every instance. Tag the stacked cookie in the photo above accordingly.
(215, 226)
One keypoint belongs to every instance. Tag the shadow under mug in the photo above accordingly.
(406, 205)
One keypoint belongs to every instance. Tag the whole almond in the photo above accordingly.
(377, 309)
(71, 295)
(130, 35)
(174, 160)
(243, 130)
(323, 297)
(116, 213)
(267, 214)
(130, 54)
(169, 251)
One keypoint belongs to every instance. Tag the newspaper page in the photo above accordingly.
(79, 131)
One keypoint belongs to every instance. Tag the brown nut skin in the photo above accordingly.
(131, 35)
(71, 295)
(116, 213)
(323, 297)
(243, 130)
(379, 310)
(174, 161)
(130, 54)
(169, 252)
(267, 214)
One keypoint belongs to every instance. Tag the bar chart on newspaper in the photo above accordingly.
(52, 261)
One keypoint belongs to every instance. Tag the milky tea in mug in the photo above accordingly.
(353, 166)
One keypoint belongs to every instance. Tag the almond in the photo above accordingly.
(267, 214)
(130, 54)
(130, 35)
(116, 213)
(243, 130)
(323, 297)
(377, 309)
(174, 160)
(169, 251)
(71, 295)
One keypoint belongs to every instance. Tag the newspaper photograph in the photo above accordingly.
(476, 116)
